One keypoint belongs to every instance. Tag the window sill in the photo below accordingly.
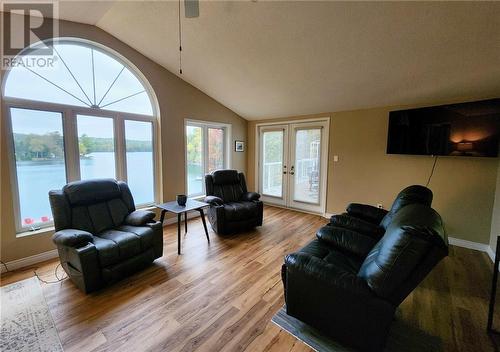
(198, 197)
(42, 231)
(51, 229)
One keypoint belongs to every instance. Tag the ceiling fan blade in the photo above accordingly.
(192, 8)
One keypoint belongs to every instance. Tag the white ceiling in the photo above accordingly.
(268, 59)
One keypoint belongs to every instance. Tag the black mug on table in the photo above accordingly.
(181, 199)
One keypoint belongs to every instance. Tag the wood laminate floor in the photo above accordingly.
(221, 296)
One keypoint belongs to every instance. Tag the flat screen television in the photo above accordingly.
(466, 129)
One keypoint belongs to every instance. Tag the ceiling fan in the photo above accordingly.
(191, 10)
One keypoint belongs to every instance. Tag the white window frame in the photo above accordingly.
(205, 125)
(70, 137)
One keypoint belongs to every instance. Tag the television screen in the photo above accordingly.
(467, 129)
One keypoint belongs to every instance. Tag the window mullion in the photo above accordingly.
(205, 156)
(72, 155)
(120, 148)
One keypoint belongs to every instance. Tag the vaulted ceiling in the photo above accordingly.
(265, 59)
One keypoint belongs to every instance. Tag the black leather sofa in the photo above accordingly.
(232, 207)
(348, 284)
(99, 235)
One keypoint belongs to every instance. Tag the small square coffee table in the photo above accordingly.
(173, 207)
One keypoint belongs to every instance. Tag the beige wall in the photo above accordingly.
(463, 187)
(177, 100)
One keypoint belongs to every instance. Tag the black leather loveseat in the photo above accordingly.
(232, 207)
(99, 235)
(348, 284)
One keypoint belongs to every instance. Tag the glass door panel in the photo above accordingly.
(273, 164)
(194, 158)
(308, 155)
(307, 165)
(96, 147)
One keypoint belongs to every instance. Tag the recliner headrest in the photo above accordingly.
(415, 194)
(225, 177)
(412, 194)
(91, 191)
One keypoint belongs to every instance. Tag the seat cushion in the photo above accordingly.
(144, 233)
(114, 246)
(330, 255)
(236, 211)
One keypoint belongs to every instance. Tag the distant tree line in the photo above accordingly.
(51, 146)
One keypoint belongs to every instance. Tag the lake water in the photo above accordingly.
(36, 178)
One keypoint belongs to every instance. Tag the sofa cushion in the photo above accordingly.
(236, 211)
(107, 251)
(346, 240)
(91, 191)
(118, 210)
(100, 217)
(225, 177)
(330, 255)
(407, 240)
(118, 246)
(144, 233)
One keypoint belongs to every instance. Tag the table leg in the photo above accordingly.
(179, 219)
(202, 214)
(162, 216)
(186, 222)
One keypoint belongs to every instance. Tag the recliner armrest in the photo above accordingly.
(213, 200)
(139, 217)
(358, 225)
(346, 240)
(250, 196)
(72, 238)
(366, 212)
(327, 273)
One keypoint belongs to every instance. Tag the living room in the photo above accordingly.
(235, 134)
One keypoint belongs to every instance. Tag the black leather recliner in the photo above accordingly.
(99, 235)
(373, 221)
(349, 287)
(232, 207)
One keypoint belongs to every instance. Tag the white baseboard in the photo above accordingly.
(491, 254)
(468, 244)
(31, 260)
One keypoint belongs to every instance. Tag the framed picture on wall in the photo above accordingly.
(239, 146)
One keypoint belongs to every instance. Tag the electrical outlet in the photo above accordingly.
(380, 206)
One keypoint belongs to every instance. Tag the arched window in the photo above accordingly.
(86, 113)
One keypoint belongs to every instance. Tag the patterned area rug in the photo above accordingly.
(26, 321)
(402, 337)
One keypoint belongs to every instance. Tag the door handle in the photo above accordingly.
(292, 170)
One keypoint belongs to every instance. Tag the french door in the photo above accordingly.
(292, 165)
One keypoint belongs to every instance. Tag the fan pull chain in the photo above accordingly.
(180, 39)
